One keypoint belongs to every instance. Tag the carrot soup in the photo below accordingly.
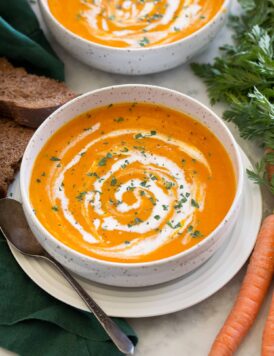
(132, 182)
(134, 23)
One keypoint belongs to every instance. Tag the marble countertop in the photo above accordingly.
(189, 332)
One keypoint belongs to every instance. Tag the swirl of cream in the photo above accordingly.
(144, 23)
(165, 186)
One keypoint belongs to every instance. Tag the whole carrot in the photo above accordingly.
(268, 334)
(253, 290)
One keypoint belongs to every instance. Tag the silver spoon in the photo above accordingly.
(15, 228)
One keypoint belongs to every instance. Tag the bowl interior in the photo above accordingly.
(223, 9)
(128, 93)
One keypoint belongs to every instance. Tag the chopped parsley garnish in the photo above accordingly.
(136, 221)
(194, 203)
(174, 226)
(157, 217)
(80, 196)
(144, 41)
(113, 182)
(180, 203)
(92, 174)
(190, 228)
(144, 183)
(168, 185)
(196, 233)
(119, 119)
(103, 161)
(54, 208)
(53, 158)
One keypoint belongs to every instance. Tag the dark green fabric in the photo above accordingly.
(23, 42)
(34, 323)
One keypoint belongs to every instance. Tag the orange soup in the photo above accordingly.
(134, 23)
(132, 182)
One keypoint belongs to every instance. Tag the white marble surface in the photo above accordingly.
(189, 332)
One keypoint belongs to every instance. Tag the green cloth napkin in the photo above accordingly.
(34, 323)
(23, 42)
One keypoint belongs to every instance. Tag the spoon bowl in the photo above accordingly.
(15, 228)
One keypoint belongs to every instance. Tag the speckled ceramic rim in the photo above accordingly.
(224, 7)
(24, 186)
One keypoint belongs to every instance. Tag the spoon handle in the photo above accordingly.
(118, 337)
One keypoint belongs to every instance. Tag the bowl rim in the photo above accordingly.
(223, 9)
(24, 186)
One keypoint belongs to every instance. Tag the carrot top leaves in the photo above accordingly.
(243, 77)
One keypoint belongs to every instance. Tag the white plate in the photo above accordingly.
(165, 298)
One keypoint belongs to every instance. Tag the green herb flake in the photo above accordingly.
(144, 41)
(190, 228)
(194, 203)
(80, 196)
(138, 136)
(113, 182)
(102, 162)
(92, 174)
(196, 233)
(119, 119)
(168, 185)
(174, 226)
(54, 158)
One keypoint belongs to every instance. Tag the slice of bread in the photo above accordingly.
(13, 141)
(27, 98)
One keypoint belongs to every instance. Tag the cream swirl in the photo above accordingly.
(138, 183)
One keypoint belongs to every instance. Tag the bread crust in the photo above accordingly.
(27, 98)
(13, 141)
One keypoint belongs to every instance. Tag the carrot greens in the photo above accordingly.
(243, 77)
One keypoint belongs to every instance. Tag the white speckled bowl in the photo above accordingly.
(135, 61)
(131, 274)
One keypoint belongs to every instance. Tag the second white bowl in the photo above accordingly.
(135, 61)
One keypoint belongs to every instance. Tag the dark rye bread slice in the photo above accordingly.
(13, 141)
(27, 98)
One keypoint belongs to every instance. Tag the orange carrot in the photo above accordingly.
(253, 290)
(268, 335)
